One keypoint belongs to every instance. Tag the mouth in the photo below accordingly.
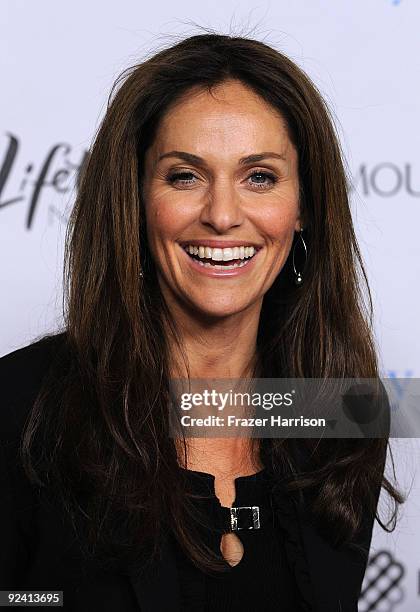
(216, 258)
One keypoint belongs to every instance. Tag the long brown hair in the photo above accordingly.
(101, 421)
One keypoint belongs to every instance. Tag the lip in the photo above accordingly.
(221, 273)
(220, 244)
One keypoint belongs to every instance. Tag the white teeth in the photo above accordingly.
(218, 254)
(227, 254)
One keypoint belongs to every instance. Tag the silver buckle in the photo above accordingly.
(235, 517)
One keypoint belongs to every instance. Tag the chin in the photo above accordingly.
(219, 311)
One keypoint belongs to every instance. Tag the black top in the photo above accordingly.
(39, 550)
(272, 573)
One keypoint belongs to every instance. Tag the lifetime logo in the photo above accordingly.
(382, 583)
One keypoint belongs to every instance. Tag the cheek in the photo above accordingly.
(278, 223)
(160, 219)
(168, 216)
(166, 223)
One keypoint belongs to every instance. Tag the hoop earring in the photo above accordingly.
(141, 274)
(298, 275)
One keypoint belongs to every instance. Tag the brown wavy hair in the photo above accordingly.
(98, 432)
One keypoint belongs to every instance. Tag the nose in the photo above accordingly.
(222, 209)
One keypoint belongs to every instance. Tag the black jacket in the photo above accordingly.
(38, 550)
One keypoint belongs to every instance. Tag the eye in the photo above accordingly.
(183, 177)
(264, 175)
(187, 178)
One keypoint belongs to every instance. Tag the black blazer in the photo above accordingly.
(38, 549)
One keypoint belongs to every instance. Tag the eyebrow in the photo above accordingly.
(249, 159)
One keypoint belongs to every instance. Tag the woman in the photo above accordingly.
(215, 143)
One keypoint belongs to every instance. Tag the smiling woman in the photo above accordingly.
(211, 238)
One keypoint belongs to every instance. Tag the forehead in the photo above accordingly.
(231, 119)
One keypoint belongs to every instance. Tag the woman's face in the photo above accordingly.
(220, 180)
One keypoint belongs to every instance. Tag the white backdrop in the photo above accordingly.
(58, 63)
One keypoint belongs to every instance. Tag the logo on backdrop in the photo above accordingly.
(56, 172)
(382, 584)
(385, 180)
(399, 383)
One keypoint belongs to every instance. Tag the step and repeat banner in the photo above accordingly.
(58, 63)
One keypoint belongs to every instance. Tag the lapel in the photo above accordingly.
(325, 571)
(335, 573)
(156, 588)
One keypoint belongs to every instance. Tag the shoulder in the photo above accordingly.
(21, 375)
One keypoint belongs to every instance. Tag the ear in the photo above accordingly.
(298, 225)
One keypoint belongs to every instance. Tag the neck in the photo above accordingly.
(223, 347)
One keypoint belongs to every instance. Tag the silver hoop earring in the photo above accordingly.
(298, 275)
(141, 274)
